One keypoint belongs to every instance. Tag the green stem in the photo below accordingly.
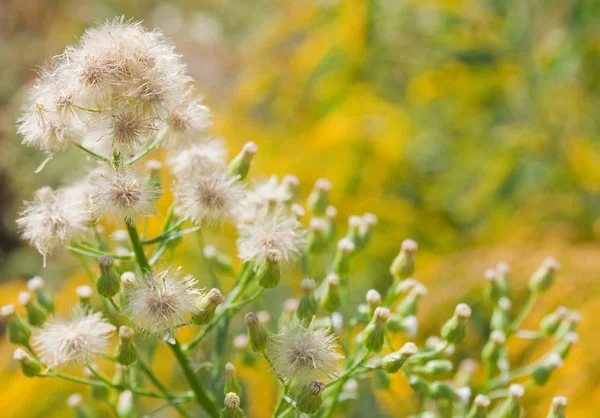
(207, 263)
(202, 396)
(146, 150)
(97, 253)
(514, 327)
(92, 153)
(339, 382)
(140, 256)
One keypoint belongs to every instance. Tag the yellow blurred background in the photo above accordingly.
(469, 125)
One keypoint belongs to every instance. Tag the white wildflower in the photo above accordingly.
(52, 219)
(122, 194)
(158, 302)
(271, 194)
(187, 121)
(76, 340)
(302, 355)
(211, 198)
(203, 158)
(271, 231)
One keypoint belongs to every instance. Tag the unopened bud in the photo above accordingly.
(403, 265)
(240, 165)
(373, 335)
(436, 367)
(393, 362)
(341, 260)
(269, 272)
(440, 390)
(492, 350)
(126, 351)
(317, 235)
(558, 407)
(232, 407)
(318, 200)
(373, 299)
(17, 329)
(454, 329)
(356, 227)
(541, 373)
(207, 305)
(84, 293)
(289, 186)
(550, 323)
(44, 296)
(511, 408)
(408, 325)
(30, 366)
(464, 374)
(108, 284)
(36, 314)
(331, 299)
(231, 382)
(308, 305)
(480, 408)
(542, 279)
(309, 399)
(219, 260)
(568, 324)
(564, 346)
(501, 316)
(408, 305)
(125, 406)
(257, 336)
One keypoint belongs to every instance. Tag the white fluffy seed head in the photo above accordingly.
(212, 198)
(75, 340)
(186, 121)
(200, 159)
(161, 300)
(302, 355)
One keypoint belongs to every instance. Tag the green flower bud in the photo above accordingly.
(126, 351)
(207, 305)
(564, 346)
(220, 261)
(440, 390)
(454, 329)
(231, 382)
(501, 316)
(309, 399)
(511, 408)
(569, 324)
(405, 286)
(550, 323)
(464, 374)
(269, 272)
(403, 265)
(30, 366)
(317, 235)
(241, 343)
(289, 187)
(493, 349)
(373, 336)
(44, 296)
(436, 367)
(481, 404)
(18, 330)
(369, 222)
(330, 215)
(108, 284)
(318, 200)
(125, 405)
(408, 325)
(373, 298)
(75, 401)
(257, 336)
(240, 165)
(393, 362)
(408, 305)
(232, 407)
(418, 384)
(36, 314)
(84, 294)
(341, 260)
(308, 306)
(557, 409)
(290, 307)
(542, 279)
(355, 234)
(541, 373)
(331, 299)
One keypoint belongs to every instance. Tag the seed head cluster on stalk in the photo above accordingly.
(118, 95)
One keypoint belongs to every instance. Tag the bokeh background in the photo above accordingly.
(469, 125)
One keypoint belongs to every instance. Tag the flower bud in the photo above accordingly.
(492, 350)
(232, 407)
(125, 406)
(440, 390)
(511, 408)
(541, 373)
(241, 342)
(355, 234)
(408, 305)
(308, 305)
(501, 316)
(502, 277)
(542, 279)
(403, 265)
(481, 404)
(454, 329)
(557, 409)
(231, 382)
(369, 222)
(290, 307)
(269, 273)
(373, 299)
(330, 215)
(240, 165)
(108, 284)
(44, 296)
(17, 329)
(289, 187)
(126, 351)
(550, 323)
(206, 307)
(393, 362)
(564, 346)
(99, 392)
(30, 366)
(405, 286)
(492, 289)
(219, 260)
(373, 335)
(84, 293)
(341, 260)
(317, 235)
(569, 324)
(82, 410)
(298, 211)
(36, 314)
(436, 367)
(418, 384)
(331, 299)
(318, 200)
(464, 374)
(257, 336)
(408, 325)
(309, 399)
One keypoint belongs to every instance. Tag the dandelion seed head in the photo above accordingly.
(200, 159)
